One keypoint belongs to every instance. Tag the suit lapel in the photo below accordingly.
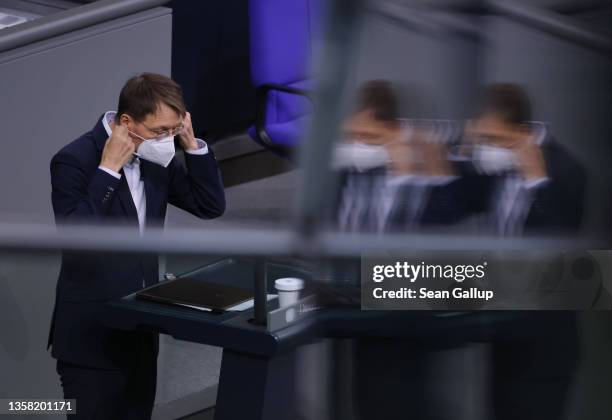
(125, 196)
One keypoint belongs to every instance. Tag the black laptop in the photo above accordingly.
(197, 294)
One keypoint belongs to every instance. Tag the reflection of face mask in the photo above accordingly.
(360, 156)
(492, 160)
(159, 151)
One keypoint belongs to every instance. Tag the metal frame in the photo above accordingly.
(410, 16)
(258, 242)
(551, 21)
(70, 20)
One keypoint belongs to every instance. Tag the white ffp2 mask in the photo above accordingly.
(360, 156)
(493, 160)
(159, 151)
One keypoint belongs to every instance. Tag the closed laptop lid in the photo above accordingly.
(193, 292)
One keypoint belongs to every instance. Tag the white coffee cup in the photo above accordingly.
(288, 290)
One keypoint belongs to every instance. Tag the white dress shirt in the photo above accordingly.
(514, 195)
(132, 173)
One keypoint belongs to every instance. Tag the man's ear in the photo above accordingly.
(124, 119)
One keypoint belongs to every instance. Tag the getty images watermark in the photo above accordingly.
(524, 280)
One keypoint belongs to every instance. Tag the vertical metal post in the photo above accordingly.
(336, 63)
(261, 293)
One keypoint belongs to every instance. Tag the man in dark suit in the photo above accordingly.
(521, 181)
(518, 175)
(394, 176)
(123, 172)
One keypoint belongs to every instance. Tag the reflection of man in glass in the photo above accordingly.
(391, 168)
(523, 182)
(519, 176)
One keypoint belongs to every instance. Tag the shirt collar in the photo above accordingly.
(107, 119)
(540, 131)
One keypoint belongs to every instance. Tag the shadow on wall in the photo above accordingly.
(15, 345)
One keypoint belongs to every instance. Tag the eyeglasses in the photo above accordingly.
(161, 134)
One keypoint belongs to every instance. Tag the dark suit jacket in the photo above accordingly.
(557, 206)
(83, 193)
(437, 205)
